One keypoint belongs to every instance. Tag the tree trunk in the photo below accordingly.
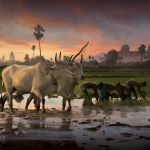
(40, 48)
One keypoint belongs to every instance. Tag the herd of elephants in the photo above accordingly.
(59, 77)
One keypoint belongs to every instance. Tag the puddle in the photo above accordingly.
(109, 127)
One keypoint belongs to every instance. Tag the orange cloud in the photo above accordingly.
(29, 20)
(95, 47)
(13, 41)
(49, 49)
(71, 44)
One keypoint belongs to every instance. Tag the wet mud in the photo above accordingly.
(97, 127)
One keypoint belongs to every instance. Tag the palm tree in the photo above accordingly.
(38, 33)
(33, 49)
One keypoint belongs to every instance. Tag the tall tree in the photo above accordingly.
(38, 33)
(142, 50)
(148, 49)
(26, 58)
(33, 49)
(90, 57)
(125, 48)
(111, 57)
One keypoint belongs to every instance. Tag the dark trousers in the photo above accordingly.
(132, 90)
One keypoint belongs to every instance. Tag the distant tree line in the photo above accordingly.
(113, 55)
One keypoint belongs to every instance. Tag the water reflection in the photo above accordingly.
(83, 125)
(89, 110)
(7, 124)
(41, 145)
(36, 123)
(123, 114)
(86, 110)
(108, 110)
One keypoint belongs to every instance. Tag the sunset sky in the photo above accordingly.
(69, 24)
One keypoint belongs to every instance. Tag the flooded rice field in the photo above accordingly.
(96, 127)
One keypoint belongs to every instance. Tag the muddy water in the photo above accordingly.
(97, 127)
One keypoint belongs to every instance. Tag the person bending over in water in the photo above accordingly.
(123, 90)
(107, 90)
(85, 87)
(135, 88)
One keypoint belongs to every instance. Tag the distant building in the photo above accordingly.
(126, 56)
(12, 57)
(131, 56)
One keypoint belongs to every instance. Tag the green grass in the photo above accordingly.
(115, 77)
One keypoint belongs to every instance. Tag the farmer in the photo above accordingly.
(123, 90)
(107, 90)
(135, 88)
(89, 90)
